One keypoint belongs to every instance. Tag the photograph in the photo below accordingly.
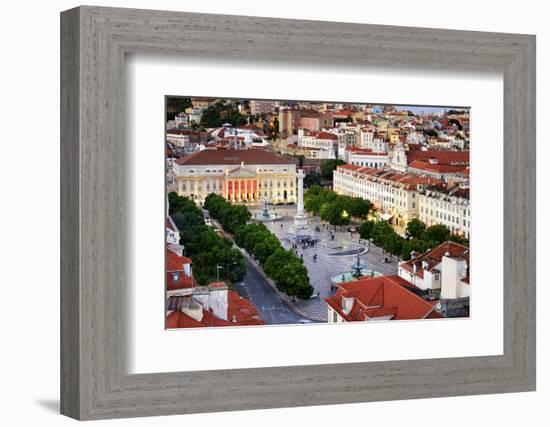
(283, 212)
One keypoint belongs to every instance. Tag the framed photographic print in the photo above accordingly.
(290, 213)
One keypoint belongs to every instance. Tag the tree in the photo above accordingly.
(254, 238)
(184, 220)
(233, 217)
(437, 234)
(276, 261)
(431, 133)
(214, 204)
(415, 228)
(178, 105)
(262, 250)
(294, 280)
(220, 113)
(335, 212)
(459, 239)
(311, 179)
(276, 125)
(365, 230)
(359, 207)
(411, 245)
(393, 244)
(380, 232)
(328, 167)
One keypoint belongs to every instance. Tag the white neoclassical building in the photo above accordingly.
(394, 194)
(450, 208)
(241, 176)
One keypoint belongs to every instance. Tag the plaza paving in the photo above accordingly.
(333, 256)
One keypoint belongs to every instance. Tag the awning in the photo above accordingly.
(386, 216)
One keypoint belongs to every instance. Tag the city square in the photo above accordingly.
(333, 256)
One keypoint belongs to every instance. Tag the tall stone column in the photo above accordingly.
(301, 227)
(300, 175)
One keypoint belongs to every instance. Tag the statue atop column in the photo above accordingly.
(301, 229)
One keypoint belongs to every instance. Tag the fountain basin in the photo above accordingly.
(347, 276)
(271, 216)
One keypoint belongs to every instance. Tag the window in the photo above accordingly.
(175, 277)
(334, 316)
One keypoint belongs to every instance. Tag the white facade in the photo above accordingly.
(178, 139)
(447, 208)
(454, 271)
(391, 193)
(324, 141)
(364, 158)
(273, 181)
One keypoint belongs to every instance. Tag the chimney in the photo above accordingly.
(218, 299)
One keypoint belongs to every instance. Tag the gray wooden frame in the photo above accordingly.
(94, 41)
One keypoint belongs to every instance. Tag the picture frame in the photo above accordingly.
(94, 381)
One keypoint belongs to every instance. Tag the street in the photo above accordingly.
(272, 309)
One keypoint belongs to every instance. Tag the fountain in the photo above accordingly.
(265, 215)
(358, 270)
(358, 267)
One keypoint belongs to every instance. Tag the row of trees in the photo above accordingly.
(231, 217)
(419, 237)
(283, 266)
(333, 208)
(203, 245)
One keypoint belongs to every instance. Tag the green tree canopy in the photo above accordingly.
(437, 233)
(380, 232)
(415, 228)
(329, 166)
(365, 229)
(203, 244)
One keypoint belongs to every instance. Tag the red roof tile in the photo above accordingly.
(443, 157)
(234, 157)
(379, 297)
(434, 257)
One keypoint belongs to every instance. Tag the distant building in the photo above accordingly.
(240, 176)
(319, 140)
(316, 121)
(261, 107)
(437, 163)
(377, 298)
(366, 157)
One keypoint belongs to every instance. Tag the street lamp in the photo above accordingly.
(218, 268)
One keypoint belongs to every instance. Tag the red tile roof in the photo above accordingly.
(443, 157)
(434, 257)
(175, 262)
(366, 151)
(234, 157)
(438, 168)
(240, 312)
(321, 134)
(380, 297)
